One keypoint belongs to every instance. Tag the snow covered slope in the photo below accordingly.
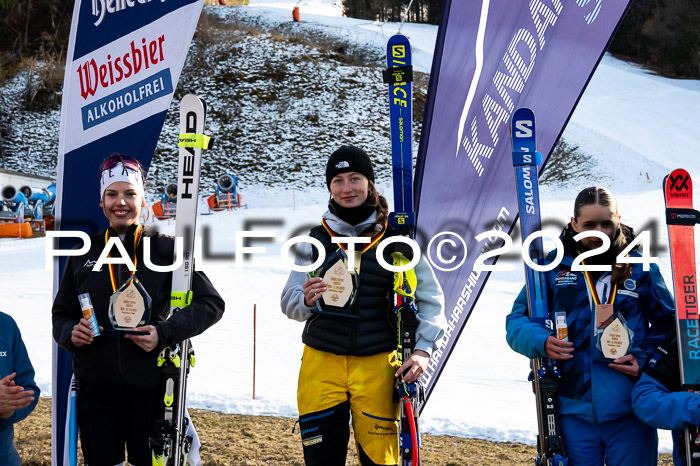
(629, 123)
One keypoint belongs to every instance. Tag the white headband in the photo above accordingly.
(120, 173)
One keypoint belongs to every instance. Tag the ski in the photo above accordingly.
(545, 375)
(399, 77)
(681, 220)
(171, 445)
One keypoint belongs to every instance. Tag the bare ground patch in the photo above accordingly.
(234, 439)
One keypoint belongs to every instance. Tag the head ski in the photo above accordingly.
(171, 445)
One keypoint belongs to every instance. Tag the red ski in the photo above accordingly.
(681, 219)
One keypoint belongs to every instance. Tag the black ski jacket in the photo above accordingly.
(373, 331)
(112, 361)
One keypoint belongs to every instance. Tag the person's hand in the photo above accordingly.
(312, 289)
(13, 397)
(81, 334)
(627, 364)
(558, 349)
(414, 367)
(146, 342)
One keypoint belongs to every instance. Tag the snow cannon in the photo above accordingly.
(226, 194)
(165, 208)
(169, 193)
(227, 183)
(15, 201)
(50, 207)
(38, 199)
(51, 192)
(34, 194)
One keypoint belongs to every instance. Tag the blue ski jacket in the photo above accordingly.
(657, 398)
(14, 358)
(589, 389)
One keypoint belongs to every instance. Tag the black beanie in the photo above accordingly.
(348, 159)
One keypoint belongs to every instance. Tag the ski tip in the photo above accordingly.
(398, 39)
(523, 113)
(678, 177)
(678, 171)
(678, 189)
(190, 98)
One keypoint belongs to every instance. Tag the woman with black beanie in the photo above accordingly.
(349, 362)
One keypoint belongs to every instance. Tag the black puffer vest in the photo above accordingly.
(374, 330)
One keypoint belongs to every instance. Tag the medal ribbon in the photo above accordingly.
(591, 287)
(367, 246)
(137, 238)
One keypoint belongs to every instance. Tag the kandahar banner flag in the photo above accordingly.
(492, 57)
(123, 62)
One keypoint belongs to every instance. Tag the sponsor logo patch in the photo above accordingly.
(342, 164)
(313, 441)
(89, 264)
(565, 278)
(378, 427)
(3, 354)
(630, 284)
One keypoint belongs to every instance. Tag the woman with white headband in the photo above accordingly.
(120, 393)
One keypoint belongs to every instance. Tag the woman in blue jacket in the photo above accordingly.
(19, 393)
(658, 400)
(597, 421)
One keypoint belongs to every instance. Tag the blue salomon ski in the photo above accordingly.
(545, 375)
(399, 76)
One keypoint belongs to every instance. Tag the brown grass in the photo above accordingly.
(232, 439)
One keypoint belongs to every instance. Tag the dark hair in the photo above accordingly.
(594, 195)
(603, 196)
(380, 204)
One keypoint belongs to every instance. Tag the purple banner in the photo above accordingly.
(492, 57)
